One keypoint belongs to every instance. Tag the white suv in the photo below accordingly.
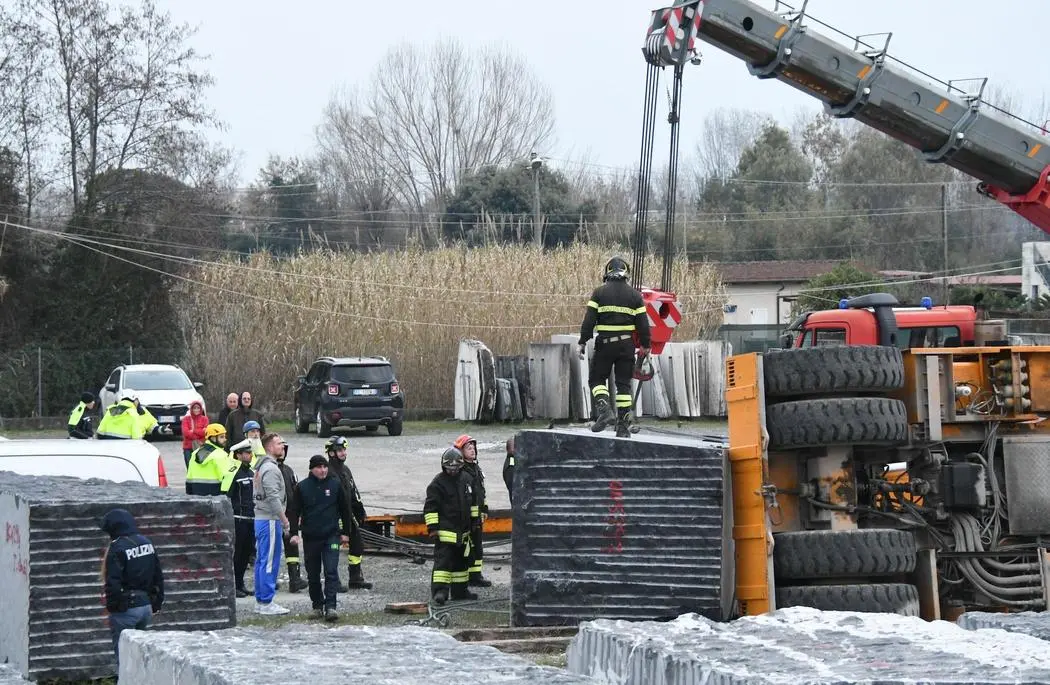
(163, 389)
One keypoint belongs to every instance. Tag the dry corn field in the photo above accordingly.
(258, 324)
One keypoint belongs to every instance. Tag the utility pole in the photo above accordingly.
(944, 225)
(537, 230)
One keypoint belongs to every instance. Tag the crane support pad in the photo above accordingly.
(803, 645)
(999, 150)
(610, 527)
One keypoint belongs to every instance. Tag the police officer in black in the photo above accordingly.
(238, 484)
(615, 312)
(320, 510)
(134, 586)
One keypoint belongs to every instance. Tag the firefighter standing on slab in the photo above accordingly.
(616, 313)
(447, 513)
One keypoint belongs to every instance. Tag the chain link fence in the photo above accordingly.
(44, 381)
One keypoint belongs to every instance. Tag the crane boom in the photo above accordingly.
(948, 125)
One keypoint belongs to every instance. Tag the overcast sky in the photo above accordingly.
(277, 62)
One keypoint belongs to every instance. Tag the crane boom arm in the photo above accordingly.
(947, 125)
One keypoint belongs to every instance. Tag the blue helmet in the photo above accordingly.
(251, 425)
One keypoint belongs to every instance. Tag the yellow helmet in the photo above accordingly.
(214, 430)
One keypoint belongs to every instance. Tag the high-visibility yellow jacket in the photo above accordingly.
(208, 465)
(121, 420)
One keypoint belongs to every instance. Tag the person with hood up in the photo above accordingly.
(79, 420)
(238, 485)
(194, 423)
(134, 581)
(479, 511)
(241, 415)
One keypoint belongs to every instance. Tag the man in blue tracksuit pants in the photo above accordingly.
(270, 524)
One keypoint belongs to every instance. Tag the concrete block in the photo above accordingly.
(609, 527)
(323, 656)
(803, 645)
(51, 552)
(1036, 624)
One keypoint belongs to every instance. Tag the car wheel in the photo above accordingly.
(301, 426)
(324, 429)
(394, 427)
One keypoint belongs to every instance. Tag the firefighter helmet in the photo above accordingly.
(452, 459)
(214, 430)
(616, 268)
(336, 443)
(643, 368)
(461, 445)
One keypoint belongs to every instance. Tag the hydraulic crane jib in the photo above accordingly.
(947, 124)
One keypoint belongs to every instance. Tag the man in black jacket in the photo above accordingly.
(134, 583)
(447, 513)
(80, 420)
(508, 469)
(238, 484)
(335, 449)
(615, 312)
(317, 507)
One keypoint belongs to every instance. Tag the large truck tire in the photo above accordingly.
(887, 598)
(837, 421)
(833, 370)
(812, 554)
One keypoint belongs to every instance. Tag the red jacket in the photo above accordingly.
(193, 427)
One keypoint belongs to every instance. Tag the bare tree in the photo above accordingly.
(726, 134)
(126, 85)
(23, 104)
(430, 114)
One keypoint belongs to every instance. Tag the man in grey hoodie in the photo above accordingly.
(270, 524)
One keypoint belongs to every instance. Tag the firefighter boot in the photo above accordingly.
(461, 591)
(623, 422)
(439, 594)
(356, 579)
(295, 581)
(603, 414)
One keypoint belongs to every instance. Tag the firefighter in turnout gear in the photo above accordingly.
(447, 513)
(208, 463)
(480, 511)
(238, 486)
(616, 313)
(291, 550)
(335, 450)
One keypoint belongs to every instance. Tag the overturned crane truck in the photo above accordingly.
(823, 519)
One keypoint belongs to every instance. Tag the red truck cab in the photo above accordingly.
(878, 319)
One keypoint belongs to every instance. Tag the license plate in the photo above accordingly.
(166, 419)
(365, 391)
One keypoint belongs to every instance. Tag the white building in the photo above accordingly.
(761, 293)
